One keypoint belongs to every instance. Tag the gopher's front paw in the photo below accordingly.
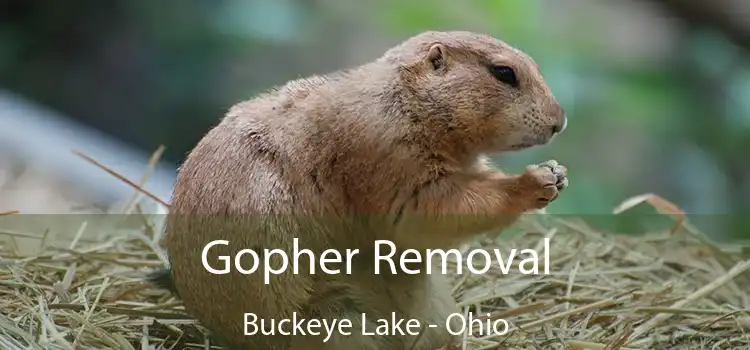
(541, 183)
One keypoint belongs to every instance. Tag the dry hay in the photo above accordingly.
(672, 290)
(660, 291)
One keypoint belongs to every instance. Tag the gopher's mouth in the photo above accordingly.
(523, 142)
(530, 141)
(520, 146)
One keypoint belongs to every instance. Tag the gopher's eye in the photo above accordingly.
(505, 74)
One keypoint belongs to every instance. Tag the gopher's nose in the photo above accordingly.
(561, 125)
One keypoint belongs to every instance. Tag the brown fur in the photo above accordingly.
(401, 143)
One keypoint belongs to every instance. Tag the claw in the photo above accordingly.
(551, 163)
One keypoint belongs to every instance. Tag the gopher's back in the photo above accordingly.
(226, 189)
(274, 169)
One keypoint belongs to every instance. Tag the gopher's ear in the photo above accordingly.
(436, 56)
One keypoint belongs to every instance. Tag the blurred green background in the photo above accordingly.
(657, 92)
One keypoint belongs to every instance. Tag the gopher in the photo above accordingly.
(395, 149)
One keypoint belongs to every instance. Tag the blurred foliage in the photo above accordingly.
(164, 73)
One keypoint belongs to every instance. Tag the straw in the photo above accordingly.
(660, 290)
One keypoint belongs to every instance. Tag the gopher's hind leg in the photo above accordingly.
(431, 303)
